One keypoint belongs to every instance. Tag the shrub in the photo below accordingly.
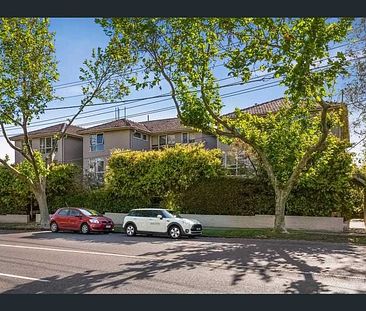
(163, 173)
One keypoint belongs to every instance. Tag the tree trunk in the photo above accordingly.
(281, 199)
(364, 205)
(40, 194)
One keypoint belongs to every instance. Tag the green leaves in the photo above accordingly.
(28, 68)
(160, 173)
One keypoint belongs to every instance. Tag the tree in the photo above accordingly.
(355, 83)
(28, 69)
(184, 52)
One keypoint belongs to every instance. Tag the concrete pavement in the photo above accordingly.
(42, 262)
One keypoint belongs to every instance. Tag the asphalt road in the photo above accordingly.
(42, 262)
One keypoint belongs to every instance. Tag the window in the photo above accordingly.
(90, 212)
(171, 139)
(74, 213)
(139, 135)
(96, 168)
(191, 139)
(184, 138)
(166, 140)
(46, 144)
(162, 140)
(63, 212)
(97, 142)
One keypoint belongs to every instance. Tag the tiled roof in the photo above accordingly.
(263, 108)
(50, 130)
(155, 126)
(164, 125)
(117, 124)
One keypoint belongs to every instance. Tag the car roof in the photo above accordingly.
(148, 209)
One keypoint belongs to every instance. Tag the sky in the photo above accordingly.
(74, 40)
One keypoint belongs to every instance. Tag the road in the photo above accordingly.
(42, 262)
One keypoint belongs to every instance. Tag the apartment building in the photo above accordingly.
(69, 149)
(91, 147)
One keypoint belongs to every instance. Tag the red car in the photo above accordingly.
(80, 220)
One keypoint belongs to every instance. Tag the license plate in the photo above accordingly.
(108, 226)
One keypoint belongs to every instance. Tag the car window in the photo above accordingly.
(133, 213)
(90, 212)
(74, 212)
(155, 213)
(146, 213)
(63, 212)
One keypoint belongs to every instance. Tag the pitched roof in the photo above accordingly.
(263, 108)
(114, 125)
(50, 130)
(164, 125)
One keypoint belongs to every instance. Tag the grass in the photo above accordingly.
(292, 235)
(359, 239)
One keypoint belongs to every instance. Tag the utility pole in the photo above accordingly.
(125, 112)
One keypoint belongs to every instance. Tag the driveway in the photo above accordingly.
(42, 262)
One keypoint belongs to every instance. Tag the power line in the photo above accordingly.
(235, 93)
(79, 82)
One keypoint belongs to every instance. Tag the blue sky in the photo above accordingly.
(74, 40)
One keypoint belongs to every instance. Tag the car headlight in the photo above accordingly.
(94, 221)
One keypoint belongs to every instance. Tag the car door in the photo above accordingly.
(62, 219)
(140, 220)
(157, 224)
(74, 219)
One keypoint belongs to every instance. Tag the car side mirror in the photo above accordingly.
(159, 216)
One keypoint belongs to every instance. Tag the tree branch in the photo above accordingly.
(16, 172)
(11, 144)
(319, 146)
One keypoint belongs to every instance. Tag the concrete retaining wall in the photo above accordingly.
(334, 224)
(14, 219)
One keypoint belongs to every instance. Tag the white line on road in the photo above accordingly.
(209, 264)
(22, 277)
(78, 252)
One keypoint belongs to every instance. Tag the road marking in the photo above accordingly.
(22, 277)
(209, 264)
(78, 252)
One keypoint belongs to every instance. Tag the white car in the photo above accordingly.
(160, 221)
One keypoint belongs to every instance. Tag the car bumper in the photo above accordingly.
(101, 227)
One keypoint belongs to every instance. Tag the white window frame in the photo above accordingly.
(93, 168)
(43, 148)
(141, 136)
(96, 142)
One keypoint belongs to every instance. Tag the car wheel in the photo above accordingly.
(54, 227)
(174, 232)
(130, 230)
(84, 228)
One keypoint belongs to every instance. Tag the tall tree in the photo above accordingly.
(355, 82)
(28, 69)
(185, 52)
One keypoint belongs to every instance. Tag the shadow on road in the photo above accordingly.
(304, 262)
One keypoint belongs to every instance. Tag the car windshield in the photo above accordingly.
(90, 212)
(174, 213)
(169, 214)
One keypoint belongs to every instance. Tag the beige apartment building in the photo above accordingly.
(91, 147)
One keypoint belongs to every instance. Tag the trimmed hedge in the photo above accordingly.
(101, 200)
(247, 197)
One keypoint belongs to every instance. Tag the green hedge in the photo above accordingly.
(101, 200)
(239, 196)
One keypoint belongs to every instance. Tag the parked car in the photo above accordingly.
(80, 220)
(159, 221)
